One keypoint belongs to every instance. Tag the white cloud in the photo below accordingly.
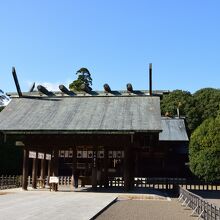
(49, 86)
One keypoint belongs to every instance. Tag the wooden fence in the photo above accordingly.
(166, 183)
(200, 206)
(152, 183)
(7, 182)
(173, 183)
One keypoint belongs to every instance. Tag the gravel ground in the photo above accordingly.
(146, 209)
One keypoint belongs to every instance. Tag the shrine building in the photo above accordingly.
(117, 133)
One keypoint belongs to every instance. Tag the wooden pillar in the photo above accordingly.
(55, 167)
(55, 163)
(42, 171)
(34, 172)
(48, 172)
(136, 165)
(74, 165)
(127, 170)
(105, 167)
(129, 166)
(94, 168)
(25, 169)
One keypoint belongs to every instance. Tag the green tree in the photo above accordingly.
(175, 99)
(196, 108)
(185, 102)
(204, 150)
(84, 78)
(207, 102)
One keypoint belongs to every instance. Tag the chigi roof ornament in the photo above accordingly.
(107, 88)
(43, 90)
(16, 82)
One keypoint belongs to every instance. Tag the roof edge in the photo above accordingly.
(77, 132)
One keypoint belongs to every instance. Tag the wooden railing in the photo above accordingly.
(200, 206)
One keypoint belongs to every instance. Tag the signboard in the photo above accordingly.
(19, 143)
(40, 155)
(32, 154)
(54, 179)
(48, 156)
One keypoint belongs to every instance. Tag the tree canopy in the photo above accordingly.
(84, 79)
(204, 151)
(183, 100)
(202, 113)
(207, 102)
(195, 107)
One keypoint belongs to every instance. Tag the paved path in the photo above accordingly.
(147, 210)
(84, 204)
(44, 205)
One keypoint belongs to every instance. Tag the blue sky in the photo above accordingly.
(48, 41)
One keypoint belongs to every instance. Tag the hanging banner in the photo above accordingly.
(70, 154)
(61, 153)
(84, 154)
(110, 154)
(90, 154)
(48, 156)
(32, 154)
(66, 154)
(40, 155)
(114, 154)
(79, 154)
(101, 154)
